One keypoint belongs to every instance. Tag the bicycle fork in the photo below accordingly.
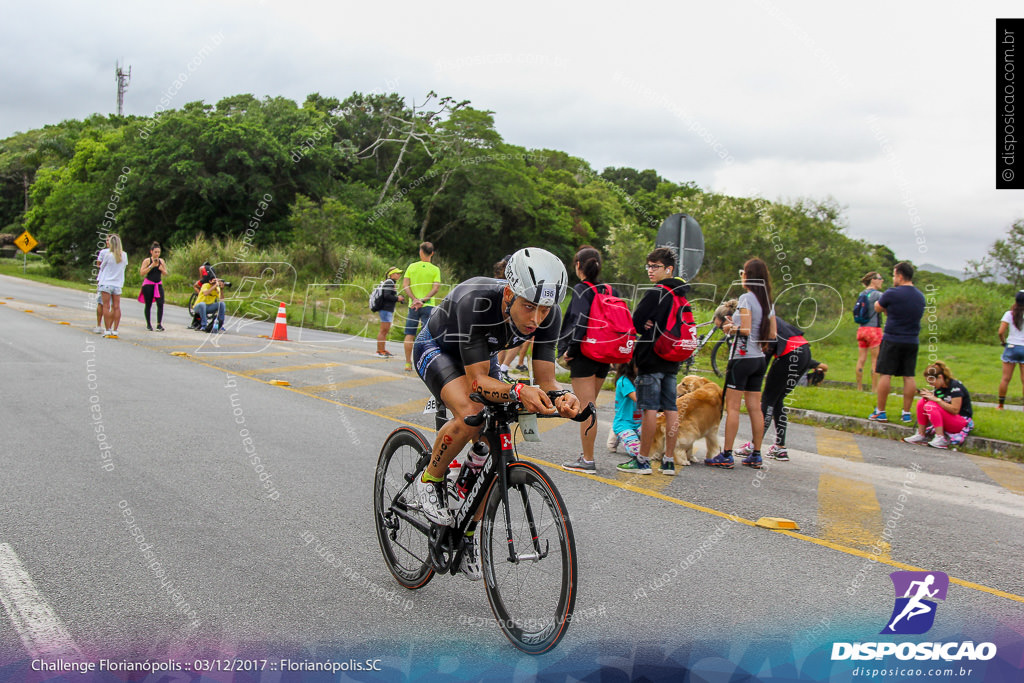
(507, 456)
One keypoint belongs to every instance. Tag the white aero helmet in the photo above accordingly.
(537, 275)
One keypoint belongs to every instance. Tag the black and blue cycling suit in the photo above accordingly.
(469, 327)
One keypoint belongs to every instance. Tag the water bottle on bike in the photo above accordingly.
(471, 469)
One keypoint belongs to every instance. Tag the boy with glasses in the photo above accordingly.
(656, 377)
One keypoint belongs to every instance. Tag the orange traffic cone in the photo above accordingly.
(280, 325)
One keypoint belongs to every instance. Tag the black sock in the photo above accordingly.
(755, 454)
(727, 453)
(1002, 400)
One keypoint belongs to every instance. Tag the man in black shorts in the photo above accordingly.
(903, 304)
(455, 355)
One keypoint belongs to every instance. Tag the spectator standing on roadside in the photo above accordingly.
(792, 359)
(587, 375)
(112, 262)
(1011, 336)
(389, 296)
(754, 325)
(869, 334)
(656, 377)
(421, 281)
(152, 271)
(903, 304)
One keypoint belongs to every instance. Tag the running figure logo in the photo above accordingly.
(913, 613)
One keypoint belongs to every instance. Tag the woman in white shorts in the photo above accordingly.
(1011, 336)
(112, 262)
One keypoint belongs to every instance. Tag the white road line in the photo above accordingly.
(39, 627)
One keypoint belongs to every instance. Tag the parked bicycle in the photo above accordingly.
(719, 352)
(527, 548)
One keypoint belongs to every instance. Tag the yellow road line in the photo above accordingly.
(660, 496)
(416, 405)
(353, 383)
(305, 393)
(1009, 475)
(290, 368)
(235, 356)
(847, 509)
(199, 342)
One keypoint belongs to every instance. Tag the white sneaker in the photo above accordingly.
(109, 334)
(939, 442)
(916, 438)
(744, 450)
(471, 560)
(431, 497)
(98, 330)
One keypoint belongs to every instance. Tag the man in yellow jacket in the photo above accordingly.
(210, 298)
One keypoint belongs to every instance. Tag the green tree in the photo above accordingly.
(1005, 258)
(76, 205)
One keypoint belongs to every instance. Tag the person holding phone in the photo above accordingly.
(946, 407)
(152, 271)
(210, 298)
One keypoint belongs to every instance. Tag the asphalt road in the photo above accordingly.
(672, 571)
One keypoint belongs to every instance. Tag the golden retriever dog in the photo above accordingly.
(699, 401)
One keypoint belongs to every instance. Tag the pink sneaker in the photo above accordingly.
(744, 450)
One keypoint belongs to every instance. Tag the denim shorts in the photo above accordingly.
(386, 316)
(656, 391)
(416, 316)
(109, 289)
(1013, 354)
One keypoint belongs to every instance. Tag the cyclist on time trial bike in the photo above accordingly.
(455, 355)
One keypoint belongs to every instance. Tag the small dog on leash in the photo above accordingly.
(699, 401)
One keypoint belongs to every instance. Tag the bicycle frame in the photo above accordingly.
(702, 341)
(446, 542)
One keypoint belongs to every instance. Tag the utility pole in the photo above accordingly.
(122, 85)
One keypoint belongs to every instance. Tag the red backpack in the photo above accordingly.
(678, 341)
(610, 334)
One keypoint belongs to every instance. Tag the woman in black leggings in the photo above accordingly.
(153, 269)
(792, 359)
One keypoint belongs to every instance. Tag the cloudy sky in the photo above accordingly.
(887, 108)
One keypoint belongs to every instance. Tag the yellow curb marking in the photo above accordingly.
(291, 368)
(1009, 475)
(847, 509)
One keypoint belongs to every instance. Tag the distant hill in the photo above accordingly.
(958, 274)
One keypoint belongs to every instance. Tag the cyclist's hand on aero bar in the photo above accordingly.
(568, 405)
(535, 399)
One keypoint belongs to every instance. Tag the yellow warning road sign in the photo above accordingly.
(26, 242)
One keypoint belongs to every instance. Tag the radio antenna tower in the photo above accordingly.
(122, 85)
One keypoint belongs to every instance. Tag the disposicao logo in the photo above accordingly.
(913, 614)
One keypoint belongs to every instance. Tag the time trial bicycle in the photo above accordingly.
(526, 544)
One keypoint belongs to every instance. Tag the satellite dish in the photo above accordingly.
(681, 233)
